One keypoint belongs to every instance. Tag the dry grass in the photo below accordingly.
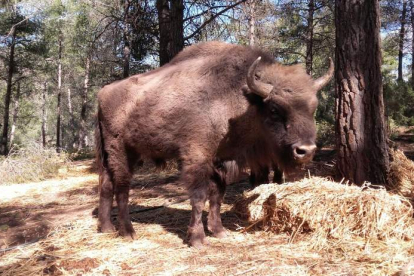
(329, 210)
(71, 245)
(32, 163)
(401, 178)
(332, 216)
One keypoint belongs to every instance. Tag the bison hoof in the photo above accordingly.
(107, 228)
(220, 234)
(198, 243)
(127, 231)
(217, 230)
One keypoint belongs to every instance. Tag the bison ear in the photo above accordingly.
(251, 97)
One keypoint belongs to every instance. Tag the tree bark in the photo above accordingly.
(70, 109)
(4, 143)
(82, 131)
(164, 29)
(44, 115)
(15, 113)
(401, 41)
(412, 45)
(59, 96)
(171, 29)
(126, 37)
(361, 133)
(252, 22)
(309, 38)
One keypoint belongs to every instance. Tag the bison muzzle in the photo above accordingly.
(214, 102)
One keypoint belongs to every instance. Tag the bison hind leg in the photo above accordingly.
(106, 195)
(121, 163)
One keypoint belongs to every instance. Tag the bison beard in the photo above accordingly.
(213, 103)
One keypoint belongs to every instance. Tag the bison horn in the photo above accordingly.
(258, 87)
(322, 81)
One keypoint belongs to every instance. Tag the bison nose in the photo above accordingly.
(303, 153)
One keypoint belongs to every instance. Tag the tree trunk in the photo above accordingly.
(309, 38)
(44, 115)
(361, 135)
(126, 37)
(82, 131)
(412, 45)
(15, 113)
(4, 142)
(70, 109)
(127, 57)
(401, 41)
(59, 96)
(164, 29)
(252, 22)
(177, 27)
(171, 28)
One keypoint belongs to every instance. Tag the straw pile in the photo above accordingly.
(401, 176)
(328, 210)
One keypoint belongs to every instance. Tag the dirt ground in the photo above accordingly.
(49, 228)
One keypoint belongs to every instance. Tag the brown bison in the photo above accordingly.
(214, 102)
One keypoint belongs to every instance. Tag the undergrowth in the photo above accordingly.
(31, 163)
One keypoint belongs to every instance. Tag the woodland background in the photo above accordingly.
(56, 54)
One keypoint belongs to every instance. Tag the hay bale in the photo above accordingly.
(328, 210)
(401, 176)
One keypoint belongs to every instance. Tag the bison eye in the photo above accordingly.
(275, 114)
(287, 90)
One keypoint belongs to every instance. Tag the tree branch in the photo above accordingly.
(212, 18)
(13, 28)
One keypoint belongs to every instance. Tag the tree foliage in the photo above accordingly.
(103, 41)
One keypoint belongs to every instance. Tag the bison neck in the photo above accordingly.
(244, 132)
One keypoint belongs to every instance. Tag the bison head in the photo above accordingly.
(286, 102)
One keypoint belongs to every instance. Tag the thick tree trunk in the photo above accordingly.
(59, 96)
(15, 113)
(252, 21)
(164, 29)
(412, 45)
(7, 97)
(170, 18)
(401, 41)
(309, 38)
(82, 131)
(361, 135)
(44, 115)
(177, 27)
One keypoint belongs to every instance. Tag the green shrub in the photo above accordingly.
(32, 163)
(399, 103)
(325, 133)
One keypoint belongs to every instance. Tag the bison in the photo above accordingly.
(214, 102)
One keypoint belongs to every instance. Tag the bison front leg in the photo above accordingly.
(197, 176)
(278, 175)
(196, 234)
(259, 175)
(214, 225)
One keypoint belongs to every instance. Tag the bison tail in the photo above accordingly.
(99, 145)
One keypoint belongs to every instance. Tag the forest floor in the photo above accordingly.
(49, 228)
